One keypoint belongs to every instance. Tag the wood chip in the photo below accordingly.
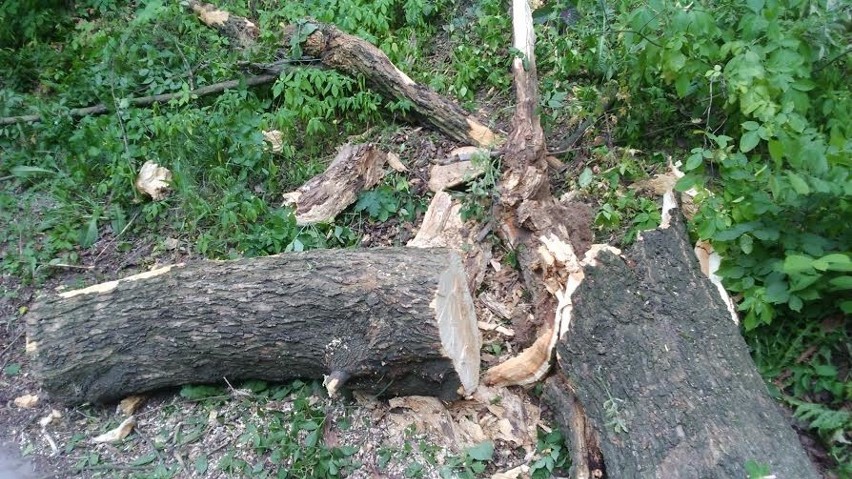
(442, 177)
(130, 404)
(395, 163)
(118, 433)
(27, 401)
(50, 418)
(153, 180)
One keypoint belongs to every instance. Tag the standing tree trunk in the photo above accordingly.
(396, 321)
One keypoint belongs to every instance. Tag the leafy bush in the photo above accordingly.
(758, 92)
(764, 81)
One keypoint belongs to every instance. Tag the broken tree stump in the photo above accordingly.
(395, 321)
(662, 374)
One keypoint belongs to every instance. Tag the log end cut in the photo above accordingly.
(456, 317)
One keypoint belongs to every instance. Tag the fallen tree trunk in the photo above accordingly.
(356, 56)
(396, 321)
(663, 379)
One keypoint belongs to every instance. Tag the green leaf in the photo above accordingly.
(777, 292)
(482, 451)
(795, 303)
(834, 262)
(347, 451)
(746, 243)
(749, 141)
(751, 125)
(694, 161)
(755, 5)
(799, 184)
(682, 84)
(200, 391)
(201, 464)
(585, 177)
(90, 234)
(796, 263)
(776, 150)
(313, 438)
(841, 282)
(26, 171)
(826, 370)
(146, 459)
(12, 369)
(733, 233)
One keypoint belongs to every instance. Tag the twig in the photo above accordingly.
(14, 340)
(191, 76)
(568, 146)
(51, 442)
(829, 62)
(100, 109)
(72, 266)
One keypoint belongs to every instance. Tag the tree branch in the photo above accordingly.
(101, 108)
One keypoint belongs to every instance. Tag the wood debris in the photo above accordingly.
(117, 434)
(153, 180)
(355, 168)
(27, 401)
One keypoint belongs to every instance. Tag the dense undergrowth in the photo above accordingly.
(751, 96)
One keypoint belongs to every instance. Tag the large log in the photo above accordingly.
(663, 379)
(395, 321)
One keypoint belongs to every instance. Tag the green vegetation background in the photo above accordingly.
(751, 96)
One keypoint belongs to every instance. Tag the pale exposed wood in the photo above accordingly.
(531, 221)
(443, 227)
(565, 277)
(154, 180)
(442, 177)
(355, 168)
(240, 29)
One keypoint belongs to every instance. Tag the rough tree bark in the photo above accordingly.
(664, 385)
(356, 56)
(396, 321)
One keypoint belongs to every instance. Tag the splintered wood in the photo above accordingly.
(323, 197)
